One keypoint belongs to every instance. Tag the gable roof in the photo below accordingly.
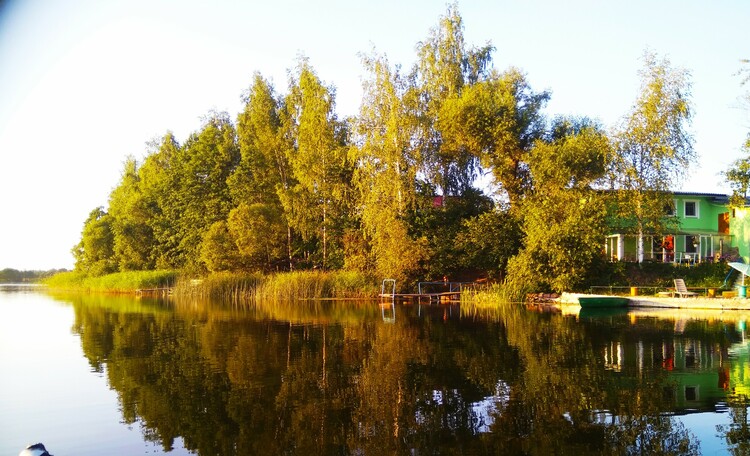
(715, 198)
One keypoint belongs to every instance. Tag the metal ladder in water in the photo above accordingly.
(392, 317)
(392, 283)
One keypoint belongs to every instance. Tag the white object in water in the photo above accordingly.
(36, 449)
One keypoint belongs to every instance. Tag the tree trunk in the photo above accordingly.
(324, 237)
(289, 246)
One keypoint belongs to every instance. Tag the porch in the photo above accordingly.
(684, 247)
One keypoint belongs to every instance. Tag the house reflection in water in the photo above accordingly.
(704, 366)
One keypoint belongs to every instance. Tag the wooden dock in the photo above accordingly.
(452, 292)
(448, 296)
(153, 292)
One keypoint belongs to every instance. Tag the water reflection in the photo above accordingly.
(365, 378)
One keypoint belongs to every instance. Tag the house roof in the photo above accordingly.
(718, 198)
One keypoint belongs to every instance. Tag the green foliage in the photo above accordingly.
(317, 204)
(441, 228)
(445, 65)
(563, 243)
(94, 254)
(563, 220)
(657, 274)
(497, 120)
(654, 144)
(262, 176)
(738, 174)
(133, 237)
(384, 179)
(158, 176)
(654, 148)
(264, 165)
(738, 177)
(219, 249)
(201, 196)
(259, 233)
(488, 241)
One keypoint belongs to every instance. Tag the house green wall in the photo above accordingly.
(708, 212)
(739, 227)
(699, 237)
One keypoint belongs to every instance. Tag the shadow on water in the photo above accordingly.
(369, 377)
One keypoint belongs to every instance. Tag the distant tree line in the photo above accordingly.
(393, 191)
(9, 275)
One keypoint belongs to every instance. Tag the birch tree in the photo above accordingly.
(445, 65)
(315, 205)
(386, 168)
(654, 147)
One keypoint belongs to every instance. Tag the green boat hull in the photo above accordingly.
(599, 302)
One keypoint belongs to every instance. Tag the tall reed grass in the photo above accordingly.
(119, 282)
(218, 286)
(316, 285)
(285, 286)
(490, 296)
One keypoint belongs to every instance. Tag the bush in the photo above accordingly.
(662, 274)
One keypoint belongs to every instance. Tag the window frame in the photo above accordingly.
(697, 208)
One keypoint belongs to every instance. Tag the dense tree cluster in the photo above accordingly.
(392, 191)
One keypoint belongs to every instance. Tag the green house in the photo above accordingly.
(708, 229)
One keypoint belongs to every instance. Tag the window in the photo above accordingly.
(691, 209)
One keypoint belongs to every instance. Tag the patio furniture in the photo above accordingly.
(681, 290)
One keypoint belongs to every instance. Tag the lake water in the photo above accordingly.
(93, 375)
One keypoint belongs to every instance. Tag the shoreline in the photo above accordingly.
(698, 302)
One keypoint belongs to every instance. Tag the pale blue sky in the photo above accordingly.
(85, 83)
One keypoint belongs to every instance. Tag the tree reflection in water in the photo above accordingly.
(336, 378)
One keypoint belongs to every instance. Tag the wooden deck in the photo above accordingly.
(448, 296)
(153, 292)
(446, 292)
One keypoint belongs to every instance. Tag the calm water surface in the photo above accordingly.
(93, 375)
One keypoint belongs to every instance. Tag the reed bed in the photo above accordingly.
(119, 282)
(286, 286)
(219, 286)
(315, 285)
(232, 287)
(487, 297)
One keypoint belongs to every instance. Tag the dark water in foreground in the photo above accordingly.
(99, 375)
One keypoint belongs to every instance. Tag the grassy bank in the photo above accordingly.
(120, 282)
